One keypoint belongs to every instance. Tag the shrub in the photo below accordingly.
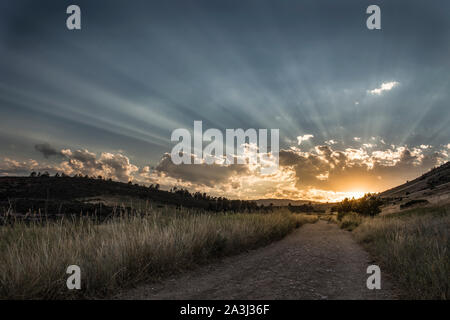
(350, 221)
(413, 202)
(369, 205)
(341, 214)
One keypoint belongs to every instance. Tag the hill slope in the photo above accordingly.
(75, 195)
(432, 187)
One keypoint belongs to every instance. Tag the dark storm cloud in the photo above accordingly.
(203, 174)
(47, 150)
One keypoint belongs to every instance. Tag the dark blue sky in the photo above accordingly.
(139, 69)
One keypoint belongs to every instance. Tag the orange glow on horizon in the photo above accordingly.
(350, 194)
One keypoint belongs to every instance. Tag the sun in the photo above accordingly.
(354, 194)
(339, 196)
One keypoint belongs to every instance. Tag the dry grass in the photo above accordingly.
(328, 217)
(350, 221)
(414, 247)
(125, 250)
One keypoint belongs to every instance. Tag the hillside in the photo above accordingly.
(432, 187)
(74, 195)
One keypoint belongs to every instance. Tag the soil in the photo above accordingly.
(317, 261)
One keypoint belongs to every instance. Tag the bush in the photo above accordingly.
(350, 221)
(341, 214)
(413, 202)
(369, 205)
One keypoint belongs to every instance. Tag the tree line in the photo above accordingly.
(84, 185)
(369, 205)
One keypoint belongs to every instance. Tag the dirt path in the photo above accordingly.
(317, 261)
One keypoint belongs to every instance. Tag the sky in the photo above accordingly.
(358, 110)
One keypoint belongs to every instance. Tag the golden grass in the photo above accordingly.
(125, 250)
(351, 221)
(328, 217)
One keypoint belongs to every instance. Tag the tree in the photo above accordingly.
(33, 174)
(344, 206)
(369, 205)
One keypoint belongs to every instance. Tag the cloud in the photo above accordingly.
(305, 137)
(204, 174)
(323, 176)
(109, 165)
(358, 168)
(324, 173)
(13, 167)
(386, 86)
(47, 150)
(331, 142)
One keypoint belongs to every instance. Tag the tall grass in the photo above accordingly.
(414, 246)
(125, 250)
(350, 221)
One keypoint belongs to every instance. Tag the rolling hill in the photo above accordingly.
(432, 187)
(86, 195)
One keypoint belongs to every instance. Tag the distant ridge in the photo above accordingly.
(67, 195)
(435, 181)
(431, 188)
(284, 202)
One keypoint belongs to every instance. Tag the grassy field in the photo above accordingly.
(126, 250)
(413, 245)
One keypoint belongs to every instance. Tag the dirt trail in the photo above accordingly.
(317, 261)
